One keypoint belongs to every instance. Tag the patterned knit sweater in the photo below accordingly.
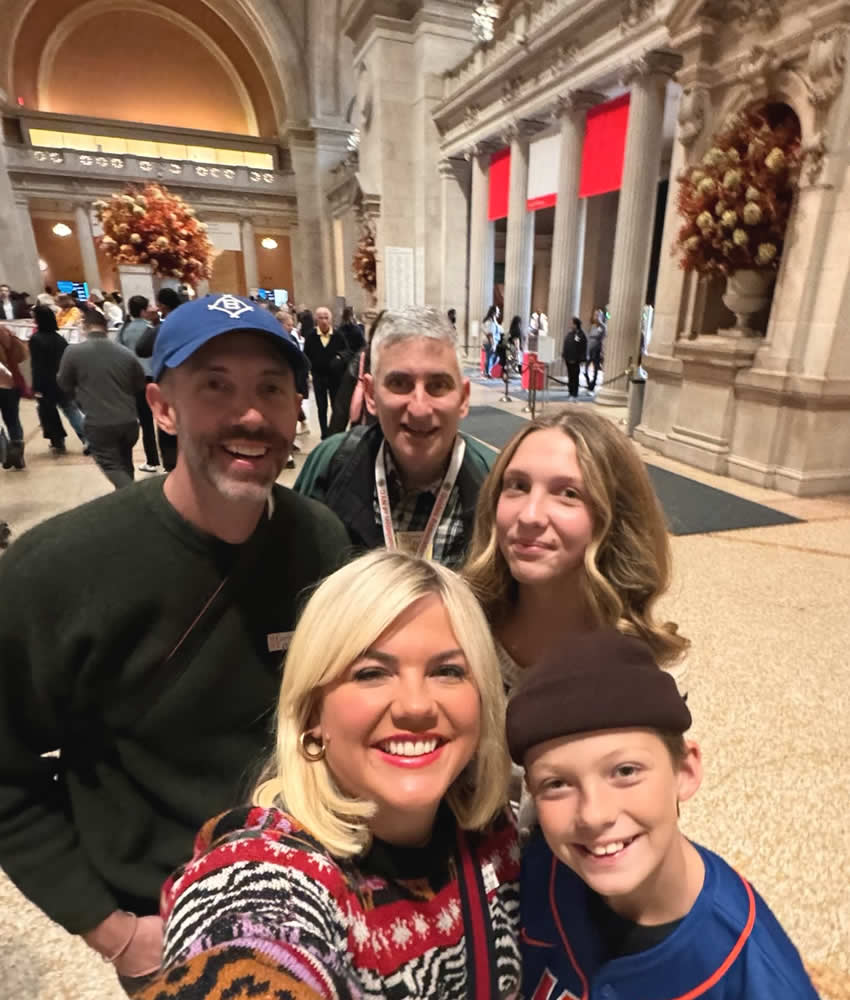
(263, 910)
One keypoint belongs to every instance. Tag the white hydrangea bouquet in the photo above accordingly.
(737, 200)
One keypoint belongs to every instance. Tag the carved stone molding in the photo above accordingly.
(650, 64)
(766, 13)
(511, 89)
(452, 167)
(814, 160)
(521, 128)
(825, 66)
(758, 66)
(484, 147)
(635, 12)
(471, 114)
(693, 111)
(575, 102)
(563, 57)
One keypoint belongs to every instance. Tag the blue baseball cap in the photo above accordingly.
(193, 324)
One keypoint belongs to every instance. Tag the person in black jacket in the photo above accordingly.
(323, 346)
(47, 345)
(574, 352)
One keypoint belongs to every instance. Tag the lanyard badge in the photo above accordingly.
(416, 543)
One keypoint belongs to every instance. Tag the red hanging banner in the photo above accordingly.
(605, 147)
(500, 180)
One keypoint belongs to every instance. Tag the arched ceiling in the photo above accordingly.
(101, 53)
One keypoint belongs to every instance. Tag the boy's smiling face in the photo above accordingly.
(607, 804)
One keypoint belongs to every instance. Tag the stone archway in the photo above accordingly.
(269, 39)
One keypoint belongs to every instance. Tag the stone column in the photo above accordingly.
(32, 280)
(249, 256)
(91, 270)
(519, 249)
(314, 150)
(481, 243)
(638, 196)
(568, 238)
(454, 189)
(18, 255)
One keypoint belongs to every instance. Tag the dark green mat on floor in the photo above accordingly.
(692, 508)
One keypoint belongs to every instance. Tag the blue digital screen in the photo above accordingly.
(80, 287)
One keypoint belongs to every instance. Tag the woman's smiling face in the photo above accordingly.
(403, 722)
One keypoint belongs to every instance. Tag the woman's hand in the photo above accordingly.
(136, 941)
(144, 954)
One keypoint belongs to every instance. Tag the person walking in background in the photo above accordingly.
(574, 352)
(321, 346)
(490, 333)
(595, 340)
(47, 345)
(13, 353)
(129, 335)
(105, 379)
(69, 313)
(167, 300)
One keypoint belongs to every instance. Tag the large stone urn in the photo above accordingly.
(747, 294)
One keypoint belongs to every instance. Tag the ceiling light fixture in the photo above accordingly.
(268, 243)
(61, 229)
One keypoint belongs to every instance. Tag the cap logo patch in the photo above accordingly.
(231, 305)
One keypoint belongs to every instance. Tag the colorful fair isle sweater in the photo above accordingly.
(263, 910)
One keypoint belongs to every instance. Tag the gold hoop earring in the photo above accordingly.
(312, 755)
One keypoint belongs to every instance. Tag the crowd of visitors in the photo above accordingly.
(345, 749)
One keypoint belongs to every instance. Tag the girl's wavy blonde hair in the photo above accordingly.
(343, 618)
(628, 561)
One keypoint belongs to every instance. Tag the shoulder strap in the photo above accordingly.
(346, 449)
(481, 977)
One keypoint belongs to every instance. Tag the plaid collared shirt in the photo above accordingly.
(412, 509)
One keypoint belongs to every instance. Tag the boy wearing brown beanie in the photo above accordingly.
(616, 903)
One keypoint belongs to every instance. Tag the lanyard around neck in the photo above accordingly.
(425, 548)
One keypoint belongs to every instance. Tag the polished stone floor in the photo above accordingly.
(766, 609)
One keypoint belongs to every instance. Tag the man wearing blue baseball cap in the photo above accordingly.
(157, 674)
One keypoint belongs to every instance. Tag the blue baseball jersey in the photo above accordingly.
(728, 947)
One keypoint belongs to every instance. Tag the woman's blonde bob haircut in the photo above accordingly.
(627, 563)
(344, 617)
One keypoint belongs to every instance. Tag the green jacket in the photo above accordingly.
(341, 474)
(149, 654)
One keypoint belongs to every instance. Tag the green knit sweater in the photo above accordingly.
(153, 740)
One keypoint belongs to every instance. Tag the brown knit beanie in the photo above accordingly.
(598, 680)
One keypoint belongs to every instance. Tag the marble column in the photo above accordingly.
(454, 189)
(568, 238)
(18, 255)
(249, 257)
(85, 237)
(32, 280)
(519, 248)
(638, 195)
(481, 243)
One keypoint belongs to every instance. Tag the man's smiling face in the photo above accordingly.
(419, 397)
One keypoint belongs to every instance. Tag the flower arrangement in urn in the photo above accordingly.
(153, 226)
(736, 202)
(364, 263)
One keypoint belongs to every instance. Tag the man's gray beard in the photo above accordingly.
(230, 489)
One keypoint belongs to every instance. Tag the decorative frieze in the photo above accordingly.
(825, 66)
